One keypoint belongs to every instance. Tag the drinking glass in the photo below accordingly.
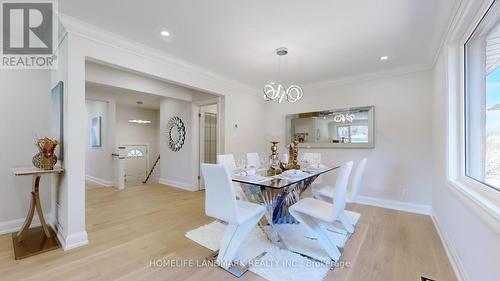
(316, 159)
(264, 161)
(241, 162)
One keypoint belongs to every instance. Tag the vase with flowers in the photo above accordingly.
(45, 159)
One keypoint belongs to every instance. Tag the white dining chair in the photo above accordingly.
(221, 203)
(227, 160)
(253, 160)
(313, 158)
(326, 193)
(313, 213)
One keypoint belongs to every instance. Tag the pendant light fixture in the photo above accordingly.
(279, 92)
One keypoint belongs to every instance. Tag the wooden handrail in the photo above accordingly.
(151, 171)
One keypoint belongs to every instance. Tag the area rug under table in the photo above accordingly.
(277, 264)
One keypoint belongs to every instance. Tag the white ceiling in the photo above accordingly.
(125, 96)
(327, 39)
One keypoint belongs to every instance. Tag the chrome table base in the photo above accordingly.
(276, 201)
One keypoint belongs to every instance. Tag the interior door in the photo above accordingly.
(208, 137)
(136, 164)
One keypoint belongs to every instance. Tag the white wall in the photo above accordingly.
(99, 164)
(473, 242)
(248, 112)
(177, 166)
(131, 133)
(403, 126)
(24, 111)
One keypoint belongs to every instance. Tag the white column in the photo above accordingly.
(120, 168)
(70, 225)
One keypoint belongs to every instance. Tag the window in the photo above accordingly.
(482, 101)
(135, 153)
(353, 133)
(359, 133)
(343, 134)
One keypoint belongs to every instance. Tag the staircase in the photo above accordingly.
(152, 169)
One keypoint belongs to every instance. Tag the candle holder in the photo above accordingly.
(274, 168)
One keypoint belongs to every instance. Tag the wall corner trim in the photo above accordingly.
(395, 205)
(176, 184)
(453, 257)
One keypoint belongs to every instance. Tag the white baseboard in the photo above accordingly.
(181, 185)
(71, 241)
(455, 262)
(99, 181)
(15, 225)
(395, 205)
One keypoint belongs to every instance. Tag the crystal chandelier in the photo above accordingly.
(277, 91)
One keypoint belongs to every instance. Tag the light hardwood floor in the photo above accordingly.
(130, 228)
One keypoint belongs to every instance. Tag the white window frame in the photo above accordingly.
(473, 192)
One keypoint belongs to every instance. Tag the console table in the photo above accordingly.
(29, 242)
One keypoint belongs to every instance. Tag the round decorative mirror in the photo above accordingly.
(176, 132)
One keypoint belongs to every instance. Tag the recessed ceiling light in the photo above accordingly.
(384, 58)
(165, 33)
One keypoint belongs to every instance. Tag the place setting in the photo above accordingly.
(250, 174)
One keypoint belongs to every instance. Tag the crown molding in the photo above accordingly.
(96, 34)
(366, 77)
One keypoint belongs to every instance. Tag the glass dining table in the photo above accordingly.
(277, 193)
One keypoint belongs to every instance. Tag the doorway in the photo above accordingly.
(120, 117)
(208, 120)
(136, 164)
